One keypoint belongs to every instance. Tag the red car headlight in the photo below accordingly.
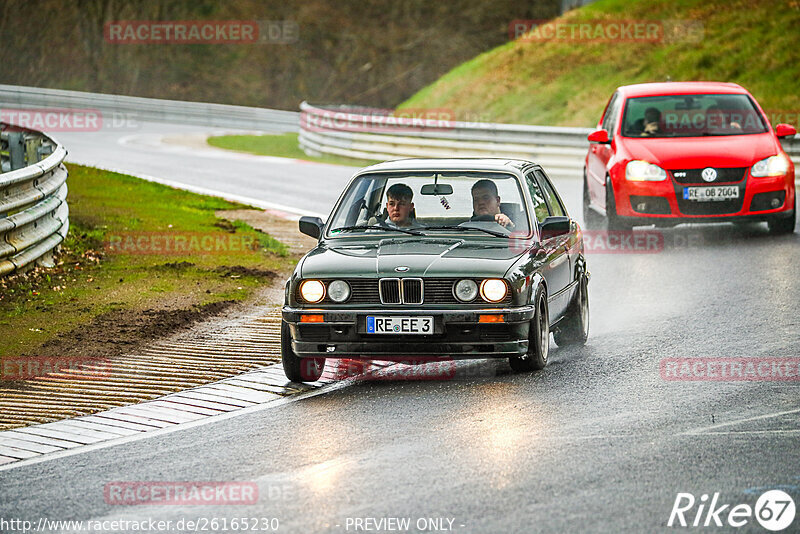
(644, 171)
(772, 166)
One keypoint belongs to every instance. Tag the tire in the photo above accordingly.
(782, 225)
(592, 219)
(613, 221)
(574, 327)
(298, 369)
(539, 338)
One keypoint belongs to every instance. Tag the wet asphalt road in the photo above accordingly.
(596, 442)
(149, 149)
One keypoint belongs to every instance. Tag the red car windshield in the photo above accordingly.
(692, 116)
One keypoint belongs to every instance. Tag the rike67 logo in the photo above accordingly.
(774, 510)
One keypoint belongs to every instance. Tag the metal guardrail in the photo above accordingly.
(341, 131)
(34, 217)
(150, 109)
(345, 131)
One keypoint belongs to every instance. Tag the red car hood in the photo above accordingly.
(698, 152)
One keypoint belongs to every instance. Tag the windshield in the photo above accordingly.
(691, 116)
(486, 203)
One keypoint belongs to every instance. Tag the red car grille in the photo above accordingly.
(725, 175)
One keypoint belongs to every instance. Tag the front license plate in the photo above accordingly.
(399, 325)
(710, 193)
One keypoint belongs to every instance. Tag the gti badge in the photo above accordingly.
(709, 174)
(401, 269)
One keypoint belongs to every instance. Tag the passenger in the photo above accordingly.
(399, 207)
(486, 203)
(716, 120)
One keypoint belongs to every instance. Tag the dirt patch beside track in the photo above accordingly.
(156, 351)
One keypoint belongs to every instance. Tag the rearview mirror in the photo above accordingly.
(311, 226)
(555, 226)
(436, 189)
(598, 136)
(785, 130)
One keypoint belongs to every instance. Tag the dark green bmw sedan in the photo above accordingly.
(424, 259)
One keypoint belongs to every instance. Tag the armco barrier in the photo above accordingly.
(369, 134)
(344, 131)
(34, 218)
(131, 108)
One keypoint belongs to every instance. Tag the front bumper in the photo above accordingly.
(457, 334)
(662, 202)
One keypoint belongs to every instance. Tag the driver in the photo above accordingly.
(486, 203)
(651, 124)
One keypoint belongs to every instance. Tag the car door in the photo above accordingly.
(556, 264)
(560, 264)
(601, 153)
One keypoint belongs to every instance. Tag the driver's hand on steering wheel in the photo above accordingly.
(503, 220)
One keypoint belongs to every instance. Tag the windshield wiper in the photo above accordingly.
(462, 228)
(375, 227)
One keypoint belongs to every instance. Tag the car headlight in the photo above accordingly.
(641, 171)
(466, 290)
(493, 290)
(312, 291)
(771, 166)
(339, 291)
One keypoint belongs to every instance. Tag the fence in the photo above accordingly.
(34, 217)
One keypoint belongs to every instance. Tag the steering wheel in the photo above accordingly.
(483, 218)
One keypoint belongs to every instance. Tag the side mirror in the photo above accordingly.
(311, 226)
(555, 226)
(785, 130)
(599, 136)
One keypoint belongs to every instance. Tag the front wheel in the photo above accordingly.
(614, 222)
(591, 219)
(781, 225)
(574, 327)
(538, 338)
(298, 369)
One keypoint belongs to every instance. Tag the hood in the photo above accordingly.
(698, 152)
(423, 257)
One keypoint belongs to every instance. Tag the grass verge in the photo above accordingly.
(284, 146)
(568, 82)
(135, 249)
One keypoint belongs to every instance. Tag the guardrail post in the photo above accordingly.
(4, 152)
(33, 147)
(16, 150)
(47, 259)
(44, 150)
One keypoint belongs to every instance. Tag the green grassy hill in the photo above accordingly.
(755, 43)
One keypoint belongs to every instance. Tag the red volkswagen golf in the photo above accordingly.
(668, 153)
